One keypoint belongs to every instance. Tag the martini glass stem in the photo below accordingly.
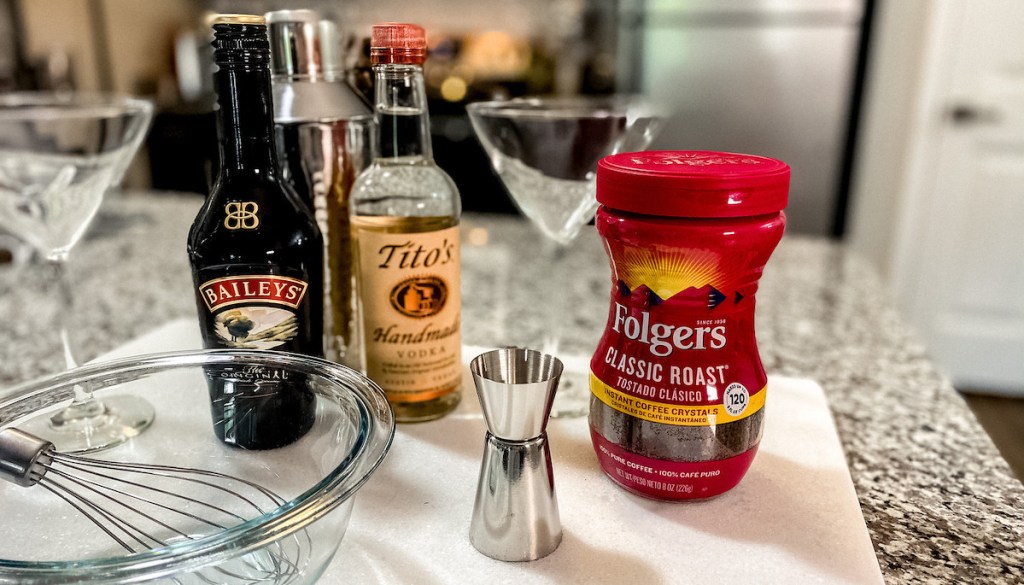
(84, 404)
(59, 275)
(88, 424)
(558, 302)
(572, 397)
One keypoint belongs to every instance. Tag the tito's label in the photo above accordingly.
(409, 289)
(684, 360)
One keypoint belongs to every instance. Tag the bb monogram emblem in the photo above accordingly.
(241, 215)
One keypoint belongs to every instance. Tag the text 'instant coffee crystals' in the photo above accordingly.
(677, 382)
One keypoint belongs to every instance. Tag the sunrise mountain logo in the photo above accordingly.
(692, 297)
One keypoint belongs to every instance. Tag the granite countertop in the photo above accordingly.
(940, 503)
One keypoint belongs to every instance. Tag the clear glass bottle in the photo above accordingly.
(405, 216)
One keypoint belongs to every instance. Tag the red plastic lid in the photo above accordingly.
(395, 42)
(693, 183)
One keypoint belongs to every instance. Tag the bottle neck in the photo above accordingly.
(401, 108)
(246, 120)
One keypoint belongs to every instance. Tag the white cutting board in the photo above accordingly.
(794, 519)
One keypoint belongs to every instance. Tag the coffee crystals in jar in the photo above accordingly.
(678, 389)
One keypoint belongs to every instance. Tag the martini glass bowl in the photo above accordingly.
(59, 153)
(546, 150)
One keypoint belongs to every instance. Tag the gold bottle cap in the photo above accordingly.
(237, 19)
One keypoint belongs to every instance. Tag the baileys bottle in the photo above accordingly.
(256, 255)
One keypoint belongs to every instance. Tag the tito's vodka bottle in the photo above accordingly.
(256, 254)
(405, 215)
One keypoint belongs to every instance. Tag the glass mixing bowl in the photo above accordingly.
(45, 540)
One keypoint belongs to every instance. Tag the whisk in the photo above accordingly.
(143, 506)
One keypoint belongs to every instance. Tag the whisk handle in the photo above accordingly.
(23, 457)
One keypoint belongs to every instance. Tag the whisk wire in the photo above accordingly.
(120, 523)
(71, 501)
(176, 472)
(280, 563)
(155, 503)
(113, 496)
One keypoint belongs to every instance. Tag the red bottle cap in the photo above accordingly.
(400, 43)
(693, 183)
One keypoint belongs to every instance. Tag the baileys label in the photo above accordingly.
(254, 311)
(264, 288)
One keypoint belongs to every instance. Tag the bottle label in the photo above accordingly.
(409, 288)
(686, 359)
(254, 311)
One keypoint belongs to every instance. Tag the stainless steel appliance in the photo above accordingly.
(770, 77)
(324, 137)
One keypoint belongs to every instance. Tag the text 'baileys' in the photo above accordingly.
(255, 288)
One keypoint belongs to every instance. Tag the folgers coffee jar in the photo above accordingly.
(678, 389)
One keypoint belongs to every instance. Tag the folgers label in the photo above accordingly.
(672, 361)
(680, 367)
(679, 384)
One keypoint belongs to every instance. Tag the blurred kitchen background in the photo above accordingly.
(778, 77)
(903, 120)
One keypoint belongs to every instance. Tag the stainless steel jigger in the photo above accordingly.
(515, 517)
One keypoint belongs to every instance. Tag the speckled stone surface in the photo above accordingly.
(940, 503)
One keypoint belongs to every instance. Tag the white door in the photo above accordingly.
(961, 254)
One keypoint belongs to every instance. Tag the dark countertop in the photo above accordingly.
(940, 503)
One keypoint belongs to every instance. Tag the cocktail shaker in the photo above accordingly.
(324, 137)
(515, 516)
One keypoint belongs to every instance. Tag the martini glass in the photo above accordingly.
(545, 150)
(59, 153)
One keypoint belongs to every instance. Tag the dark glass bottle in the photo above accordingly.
(256, 254)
